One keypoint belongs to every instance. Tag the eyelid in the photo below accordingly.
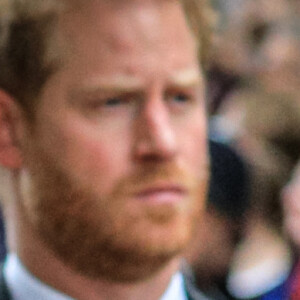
(182, 89)
(120, 99)
(187, 92)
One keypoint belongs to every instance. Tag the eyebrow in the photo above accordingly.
(186, 78)
(120, 83)
(127, 84)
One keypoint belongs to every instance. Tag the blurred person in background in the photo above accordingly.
(269, 139)
(291, 206)
(3, 195)
(257, 44)
(291, 209)
(245, 30)
(255, 105)
(289, 289)
(264, 258)
(277, 65)
(222, 226)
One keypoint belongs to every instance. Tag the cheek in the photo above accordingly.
(91, 155)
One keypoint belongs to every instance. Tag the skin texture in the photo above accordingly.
(114, 168)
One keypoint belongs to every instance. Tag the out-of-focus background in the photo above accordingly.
(247, 245)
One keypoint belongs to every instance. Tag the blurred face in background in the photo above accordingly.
(279, 63)
(291, 207)
(115, 164)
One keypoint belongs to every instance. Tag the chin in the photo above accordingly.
(123, 251)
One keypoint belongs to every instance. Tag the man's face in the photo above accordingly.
(116, 163)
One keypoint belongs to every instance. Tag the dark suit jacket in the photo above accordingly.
(192, 292)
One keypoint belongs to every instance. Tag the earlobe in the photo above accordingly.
(10, 154)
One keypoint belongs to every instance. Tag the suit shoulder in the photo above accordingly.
(4, 294)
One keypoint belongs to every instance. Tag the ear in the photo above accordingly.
(10, 153)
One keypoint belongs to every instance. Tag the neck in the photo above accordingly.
(34, 253)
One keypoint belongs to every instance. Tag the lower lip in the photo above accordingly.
(161, 197)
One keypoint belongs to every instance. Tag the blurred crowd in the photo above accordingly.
(248, 243)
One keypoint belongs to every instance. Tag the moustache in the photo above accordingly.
(155, 175)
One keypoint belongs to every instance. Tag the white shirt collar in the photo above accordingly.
(175, 290)
(24, 286)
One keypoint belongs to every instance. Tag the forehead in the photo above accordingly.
(101, 16)
(129, 34)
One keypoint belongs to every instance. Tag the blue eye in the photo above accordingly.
(181, 98)
(113, 101)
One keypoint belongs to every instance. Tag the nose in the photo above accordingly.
(155, 133)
